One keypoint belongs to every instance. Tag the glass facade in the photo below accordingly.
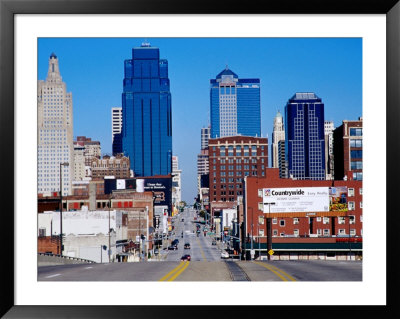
(146, 113)
(305, 143)
(235, 107)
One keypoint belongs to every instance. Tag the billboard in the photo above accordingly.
(295, 200)
(305, 199)
(338, 199)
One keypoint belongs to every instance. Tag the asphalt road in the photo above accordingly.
(205, 265)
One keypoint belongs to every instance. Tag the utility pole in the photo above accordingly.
(269, 230)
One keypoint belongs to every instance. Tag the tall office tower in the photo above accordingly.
(92, 148)
(116, 129)
(235, 107)
(205, 136)
(55, 132)
(305, 142)
(146, 113)
(282, 163)
(176, 182)
(328, 131)
(278, 134)
(202, 166)
(348, 149)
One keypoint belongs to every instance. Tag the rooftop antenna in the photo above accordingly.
(145, 43)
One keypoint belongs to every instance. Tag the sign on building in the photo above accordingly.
(304, 199)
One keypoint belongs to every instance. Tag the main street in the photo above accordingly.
(205, 264)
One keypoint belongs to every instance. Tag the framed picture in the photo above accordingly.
(22, 23)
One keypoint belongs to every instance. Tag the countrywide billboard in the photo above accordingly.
(304, 199)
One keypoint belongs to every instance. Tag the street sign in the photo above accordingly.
(252, 253)
(271, 252)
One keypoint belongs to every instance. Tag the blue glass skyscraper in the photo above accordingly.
(146, 113)
(235, 107)
(304, 133)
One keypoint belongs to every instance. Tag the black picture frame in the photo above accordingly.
(8, 10)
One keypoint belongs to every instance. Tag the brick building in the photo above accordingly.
(117, 166)
(230, 160)
(347, 149)
(308, 231)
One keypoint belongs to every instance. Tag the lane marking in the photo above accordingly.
(280, 273)
(51, 276)
(180, 271)
(201, 250)
(172, 271)
(88, 267)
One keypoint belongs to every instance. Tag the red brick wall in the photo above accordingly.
(49, 245)
(273, 181)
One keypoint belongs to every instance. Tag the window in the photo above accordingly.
(355, 131)
(261, 220)
(356, 154)
(295, 221)
(318, 219)
(42, 232)
(274, 232)
(326, 232)
(357, 176)
(341, 220)
(356, 165)
(352, 206)
(361, 205)
(261, 232)
(282, 223)
(351, 192)
(261, 206)
(352, 219)
(274, 221)
(325, 220)
(352, 232)
(355, 143)
(341, 232)
(360, 191)
(296, 232)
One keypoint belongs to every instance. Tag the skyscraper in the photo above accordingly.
(305, 143)
(278, 134)
(116, 128)
(55, 132)
(235, 107)
(329, 127)
(205, 136)
(146, 113)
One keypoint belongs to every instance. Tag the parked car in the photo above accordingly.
(187, 246)
(175, 242)
(185, 257)
(173, 247)
(224, 255)
(214, 242)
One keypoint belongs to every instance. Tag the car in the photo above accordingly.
(185, 257)
(214, 242)
(175, 242)
(187, 246)
(173, 247)
(224, 255)
(182, 220)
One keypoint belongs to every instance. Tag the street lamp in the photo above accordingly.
(269, 230)
(61, 206)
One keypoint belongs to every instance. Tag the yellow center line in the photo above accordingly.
(172, 271)
(186, 263)
(280, 273)
(201, 250)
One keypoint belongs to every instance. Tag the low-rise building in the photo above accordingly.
(307, 217)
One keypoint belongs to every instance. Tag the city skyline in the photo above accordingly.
(332, 68)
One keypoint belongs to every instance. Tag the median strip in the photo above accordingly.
(280, 273)
(177, 271)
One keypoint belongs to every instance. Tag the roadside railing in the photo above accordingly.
(67, 257)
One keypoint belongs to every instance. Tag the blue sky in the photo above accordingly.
(93, 71)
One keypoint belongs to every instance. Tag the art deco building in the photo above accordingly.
(55, 132)
(278, 134)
